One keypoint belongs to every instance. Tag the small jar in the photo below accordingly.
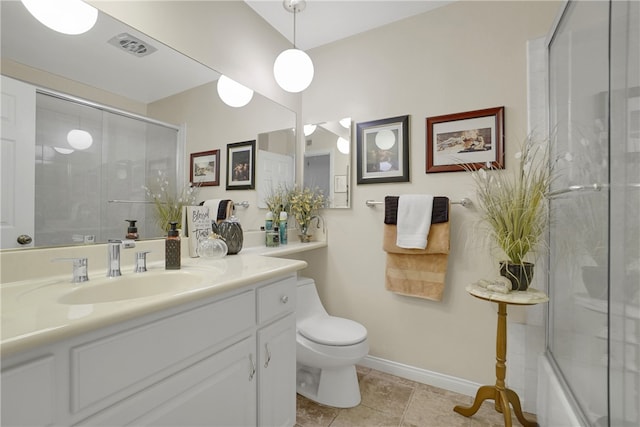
(212, 247)
(272, 238)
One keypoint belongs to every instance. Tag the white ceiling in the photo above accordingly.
(88, 58)
(326, 21)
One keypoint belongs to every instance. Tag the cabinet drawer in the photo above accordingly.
(123, 363)
(276, 299)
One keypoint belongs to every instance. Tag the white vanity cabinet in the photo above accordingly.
(223, 361)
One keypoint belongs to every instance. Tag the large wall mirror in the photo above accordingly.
(146, 88)
(327, 160)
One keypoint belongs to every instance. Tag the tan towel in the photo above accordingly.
(437, 241)
(417, 272)
(421, 276)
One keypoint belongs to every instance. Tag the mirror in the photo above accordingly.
(327, 160)
(165, 85)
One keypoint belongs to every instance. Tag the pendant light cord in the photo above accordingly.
(294, 26)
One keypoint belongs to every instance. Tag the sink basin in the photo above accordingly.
(132, 286)
(126, 287)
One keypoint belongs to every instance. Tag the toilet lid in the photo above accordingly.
(332, 331)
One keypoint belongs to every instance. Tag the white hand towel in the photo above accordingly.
(414, 220)
(213, 208)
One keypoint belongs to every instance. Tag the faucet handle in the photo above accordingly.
(141, 262)
(80, 268)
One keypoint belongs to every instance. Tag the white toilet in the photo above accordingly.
(327, 351)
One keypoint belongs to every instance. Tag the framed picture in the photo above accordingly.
(205, 168)
(241, 165)
(456, 142)
(382, 150)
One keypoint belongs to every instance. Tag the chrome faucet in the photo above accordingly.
(113, 255)
(80, 267)
(113, 258)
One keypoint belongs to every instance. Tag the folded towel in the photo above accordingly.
(414, 220)
(421, 276)
(219, 209)
(439, 214)
(438, 241)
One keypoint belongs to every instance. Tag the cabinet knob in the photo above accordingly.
(284, 299)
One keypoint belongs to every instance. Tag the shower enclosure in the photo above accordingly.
(85, 194)
(593, 327)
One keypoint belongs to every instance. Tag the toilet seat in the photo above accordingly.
(332, 330)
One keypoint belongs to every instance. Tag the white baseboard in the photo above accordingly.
(423, 376)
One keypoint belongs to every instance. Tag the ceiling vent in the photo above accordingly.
(132, 45)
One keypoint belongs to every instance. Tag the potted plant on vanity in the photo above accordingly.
(304, 205)
(169, 203)
(514, 208)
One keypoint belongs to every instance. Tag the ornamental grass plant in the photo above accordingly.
(169, 201)
(514, 206)
(304, 205)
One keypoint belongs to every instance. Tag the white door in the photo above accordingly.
(17, 160)
(274, 170)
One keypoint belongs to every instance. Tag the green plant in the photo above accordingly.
(278, 200)
(168, 201)
(515, 206)
(305, 204)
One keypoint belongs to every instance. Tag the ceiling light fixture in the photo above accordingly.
(385, 139)
(233, 93)
(79, 139)
(64, 16)
(309, 129)
(293, 68)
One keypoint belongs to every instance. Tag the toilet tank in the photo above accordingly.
(308, 302)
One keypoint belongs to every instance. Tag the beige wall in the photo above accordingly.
(465, 56)
(462, 57)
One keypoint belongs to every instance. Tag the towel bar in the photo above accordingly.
(242, 204)
(465, 202)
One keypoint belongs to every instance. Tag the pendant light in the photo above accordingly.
(64, 16)
(293, 68)
(233, 93)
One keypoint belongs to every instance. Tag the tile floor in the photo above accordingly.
(388, 401)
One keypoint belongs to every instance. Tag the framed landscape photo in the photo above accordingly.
(469, 140)
(241, 165)
(382, 151)
(205, 168)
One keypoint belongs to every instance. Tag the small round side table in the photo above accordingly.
(498, 392)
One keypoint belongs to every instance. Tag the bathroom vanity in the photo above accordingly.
(219, 351)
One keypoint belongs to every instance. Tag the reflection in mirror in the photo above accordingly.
(95, 67)
(327, 160)
(275, 162)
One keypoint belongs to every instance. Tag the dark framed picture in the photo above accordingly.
(469, 140)
(241, 165)
(382, 150)
(205, 168)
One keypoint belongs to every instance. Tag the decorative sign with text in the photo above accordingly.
(198, 227)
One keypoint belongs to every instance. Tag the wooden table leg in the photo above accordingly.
(501, 395)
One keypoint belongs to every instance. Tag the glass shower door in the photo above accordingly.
(579, 238)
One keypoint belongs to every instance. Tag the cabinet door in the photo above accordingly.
(217, 391)
(28, 393)
(277, 373)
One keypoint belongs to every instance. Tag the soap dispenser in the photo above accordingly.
(172, 248)
(132, 230)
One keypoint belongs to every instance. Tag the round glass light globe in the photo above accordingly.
(293, 70)
(64, 16)
(233, 93)
(309, 129)
(385, 139)
(79, 139)
(343, 145)
(63, 150)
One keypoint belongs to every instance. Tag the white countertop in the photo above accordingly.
(32, 315)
